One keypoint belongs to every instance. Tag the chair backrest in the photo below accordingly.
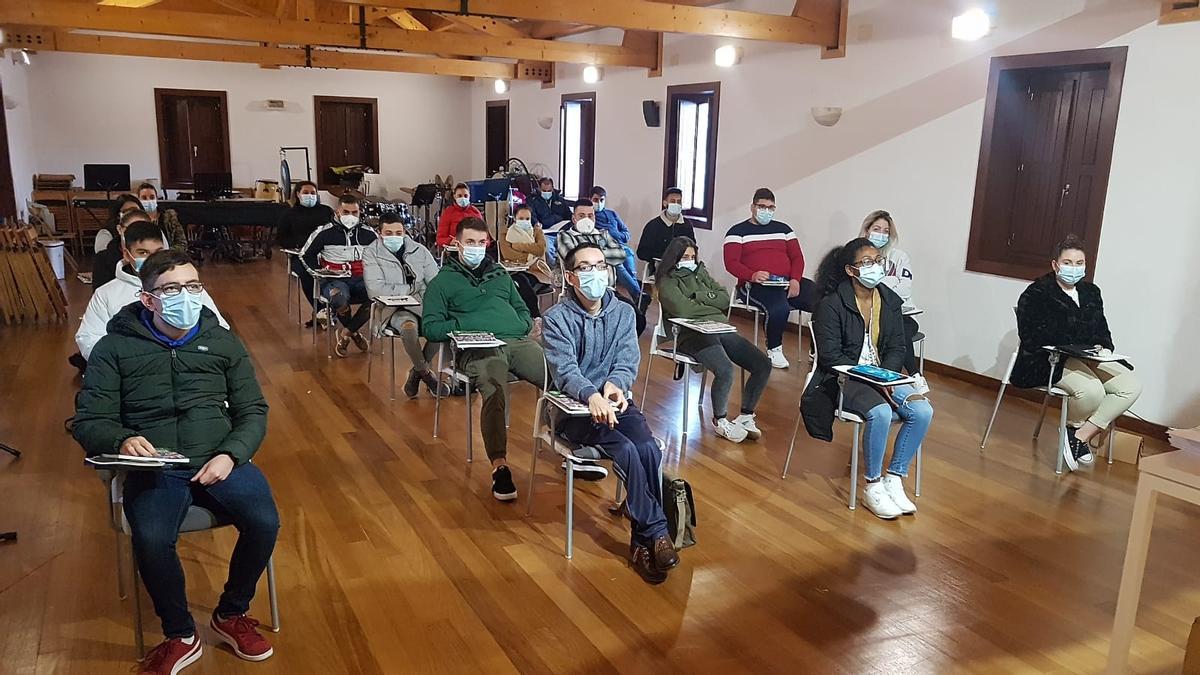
(813, 366)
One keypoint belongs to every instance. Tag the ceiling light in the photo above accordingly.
(727, 56)
(971, 25)
(501, 87)
(591, 74)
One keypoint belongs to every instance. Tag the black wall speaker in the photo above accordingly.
(650, 113)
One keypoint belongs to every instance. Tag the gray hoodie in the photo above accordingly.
(585, 351)
(384, 274)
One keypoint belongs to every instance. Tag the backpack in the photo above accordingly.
(680, 510)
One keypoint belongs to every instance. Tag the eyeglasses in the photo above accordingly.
(598, 267)
(172, 290)
(764, 206)
(867, 262)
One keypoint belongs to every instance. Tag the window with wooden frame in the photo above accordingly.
(1048, 130)
(347, 135)
(577, 145)
(690, 163)
(193, 134)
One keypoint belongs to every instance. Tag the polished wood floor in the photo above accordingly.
(394, 558)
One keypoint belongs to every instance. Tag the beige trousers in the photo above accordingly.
(1100, 392)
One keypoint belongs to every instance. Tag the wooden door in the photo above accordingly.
(8, 196)
(497, 136)
(193, 134)
(347, 133)
(1085, 166)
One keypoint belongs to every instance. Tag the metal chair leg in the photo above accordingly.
(1112, 431)
(570, 506)
(995, 409)
(920, 448)
(791, 446)
(272, 595)
(858, 429)
(1062, 436)
(700, 399)
(315, 302)
(921, 363)
(646, 384)
(687, 390)
(470, 429)
(437, 394)
(122, 582)
(393, 368)
(138, 635)
(537, 448)
(371, 343)
(1042, 416)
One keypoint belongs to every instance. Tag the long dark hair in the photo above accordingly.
(832, 271)
(114, 211)
(675, 250)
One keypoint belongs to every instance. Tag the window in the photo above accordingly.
(1048, 131)
(193, 134)
(347, 134)
(577, 144)
(691, 154)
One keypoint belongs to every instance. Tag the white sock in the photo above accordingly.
(191, 639)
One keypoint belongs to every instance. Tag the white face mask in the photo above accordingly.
(674, 210)
(585, 225)
(348, 220)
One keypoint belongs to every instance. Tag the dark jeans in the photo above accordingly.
(910, 350)
(527, 286)
(720, 353)
(637, 460)
(306, 282)
(351, 291)
(773, 300)
(489, 369)
(155, 505)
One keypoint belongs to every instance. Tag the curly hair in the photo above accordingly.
(832, 271)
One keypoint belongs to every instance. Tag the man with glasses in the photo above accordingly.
(168, 377)
(765, 254)
(592, 350)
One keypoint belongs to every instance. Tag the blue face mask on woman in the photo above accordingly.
(463, 202)
(878, 239)
(689, 265)
(393, 243)
(871, 275)
(308, 201)
(183, 310)
(1071, 274)
(594, 283)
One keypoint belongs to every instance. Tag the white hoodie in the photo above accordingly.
(108, 300)
(899, 274)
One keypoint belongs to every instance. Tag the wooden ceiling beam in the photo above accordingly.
(241, 7)
(827, 12)
(638, 15)
(70, 15)
(404, 19)
(489, 26)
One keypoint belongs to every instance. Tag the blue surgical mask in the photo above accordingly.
(689, 265)
(137, 264)
(393, 243)
(473, 255)
(593, 284)
(878, 239)
(871, 275)
(674, 210)
(463, 202)
(308, 201)
(181, 311)
(1071, 274)
(547, 194)
(599, 206)
(763, 216)
(149, 205)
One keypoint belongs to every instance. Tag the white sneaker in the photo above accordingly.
(323, 318)
(747, 422)
(730, 431)
(921, 386)
(895, 489)
(876, 497)
(778, 360)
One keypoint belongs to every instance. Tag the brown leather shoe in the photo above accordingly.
(643, 563)
(665, 556)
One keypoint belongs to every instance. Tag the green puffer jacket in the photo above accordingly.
(692, 295)
(200, 399)
(460, 299)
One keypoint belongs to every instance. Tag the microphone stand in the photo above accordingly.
(9, 536)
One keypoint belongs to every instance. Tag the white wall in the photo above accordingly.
(909, 142)
(100, 109)
(19, 120)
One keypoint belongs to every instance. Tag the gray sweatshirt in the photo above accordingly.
(585, 351)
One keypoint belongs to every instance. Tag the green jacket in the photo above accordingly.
(485, 299)
(691, 295)
(200, 399)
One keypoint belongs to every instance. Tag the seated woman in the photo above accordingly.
(121, 204)
(167, 221)
(687, 291)
(880, 229)
(858, 322)
(1060, 309)
(394, 264)
(523, 243)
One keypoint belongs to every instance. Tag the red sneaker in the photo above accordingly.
(171, 657)
(241, 633)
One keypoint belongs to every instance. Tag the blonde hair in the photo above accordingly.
(880, 214)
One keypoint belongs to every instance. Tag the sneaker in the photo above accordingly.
(665, 555)
(435, 386)
(412, 384)
(585, 470)
(78, 361)
(876, 497)
(241, 633)
(171, 657)
(322, 319)
(503, 487)
(1068, 451)
(778, 360)
(920, 386)
(748, 423)
(730, 431)
(894, 486)
(642, 562)
(360, 341)
(1082, 450)
(342, 348)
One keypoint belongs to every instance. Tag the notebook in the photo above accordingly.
(706, 327)
(475, 340)
(397, 300)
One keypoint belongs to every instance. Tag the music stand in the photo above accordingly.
(10, 536)
(425, 194)
(106, 178)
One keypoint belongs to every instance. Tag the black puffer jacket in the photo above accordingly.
(1047, 316)
(838, 328)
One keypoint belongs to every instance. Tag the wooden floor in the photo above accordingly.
(394, 558)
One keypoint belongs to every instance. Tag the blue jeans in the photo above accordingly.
(869, 403)
(774, 302)
(155, 505)
(628, 280)
(636, 459)
(630, 264)
(552, 249)
(351, 291)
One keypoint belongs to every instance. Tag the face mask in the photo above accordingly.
(1071, 274)
(879, 239)
(689, 265)
(182, 311)
(473, 255)
(593, 284)
(308, 201)
(137, 264)
(585, 225)
(523, 224)
(547, 195)
(149, 205)
(599, 206)
(763, 216)
(393, 243)
(463, 202)
(674, 210)
(871, 275)
(348, 221)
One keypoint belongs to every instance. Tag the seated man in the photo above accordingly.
(472, 293)
(142, 240)
(339, 246)
(610, 221)
(583, 230)
(549, 207)
(593, 355)
(660, 231)
(169, 377)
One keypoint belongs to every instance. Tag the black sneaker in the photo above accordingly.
(1068, 451)
(1080, 449)
(502, 485)
(585, 470)
(412, 384)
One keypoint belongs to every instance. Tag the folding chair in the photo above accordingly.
(859, 425)
(293, 281)
(646, 279)
(740, 299)
(677, 359)
(385, 332)
(319, 300)
(197, 519)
